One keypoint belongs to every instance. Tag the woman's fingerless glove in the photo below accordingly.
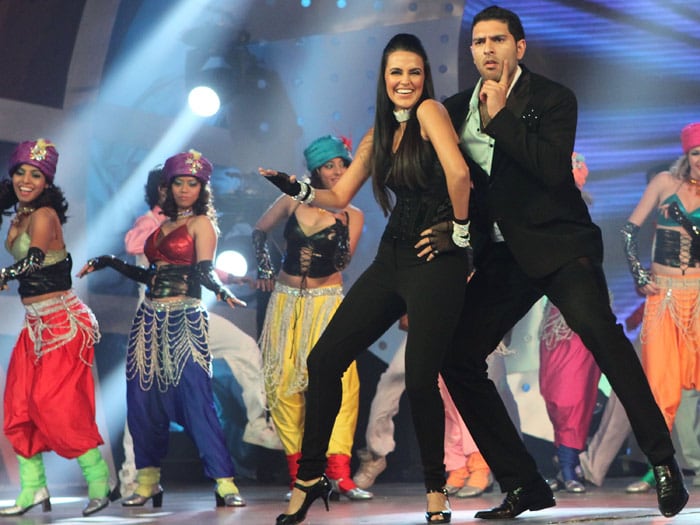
(630, 232)
(208, 278)
(440, 238)
(25, 266)
(262, 255)
(297, 190)
(441, 241)
(132, 271)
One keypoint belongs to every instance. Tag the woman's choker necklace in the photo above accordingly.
(25, 210)
(21, 212)
(695, 184)
(185, 213)
(402, 115)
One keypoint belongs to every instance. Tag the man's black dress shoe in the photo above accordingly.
(670, 488)
(532, 497)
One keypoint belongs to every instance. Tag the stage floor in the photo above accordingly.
(394, 503)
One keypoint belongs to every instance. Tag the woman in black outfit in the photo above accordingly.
(420, 177)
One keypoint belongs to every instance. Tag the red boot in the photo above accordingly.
(338, 472)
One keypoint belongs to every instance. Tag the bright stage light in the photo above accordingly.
(232, 262)
(204, 101)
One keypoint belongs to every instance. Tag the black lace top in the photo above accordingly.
(318, 255)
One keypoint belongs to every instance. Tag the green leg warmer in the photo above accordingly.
(96, 473)
(32, 478)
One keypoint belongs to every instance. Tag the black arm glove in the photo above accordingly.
(133, 272)
(300, 191)
(630, 231)
(25, 266)
(262, 255)
(207, 276)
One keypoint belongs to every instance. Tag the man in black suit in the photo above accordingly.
(533, 236)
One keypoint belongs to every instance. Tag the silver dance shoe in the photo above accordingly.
(41, 497)
(137, 500)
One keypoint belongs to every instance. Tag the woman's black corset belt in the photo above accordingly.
(171, 280)
(52, 278)
(414, 212)
(667, 249)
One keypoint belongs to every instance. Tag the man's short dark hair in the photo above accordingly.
(494, 12)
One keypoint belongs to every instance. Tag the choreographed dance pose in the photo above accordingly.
(305, 294)
(227, 342)
(420, 176)
(50, 391)
(518, 128)
(670, 334)
(168, 364)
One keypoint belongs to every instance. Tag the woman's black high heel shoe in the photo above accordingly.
(321, 489)
(444, 516)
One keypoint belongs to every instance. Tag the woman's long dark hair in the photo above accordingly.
(203, 206)
(51, 197)
(407, 167)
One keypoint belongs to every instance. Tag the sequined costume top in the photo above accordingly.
(662, 220)
(53, 276)
(177, 247)
(177, 276)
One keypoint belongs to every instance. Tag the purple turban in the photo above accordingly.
(192, 164)
(39, 153)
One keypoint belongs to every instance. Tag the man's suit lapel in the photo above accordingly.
(520, 96)
(516, 103)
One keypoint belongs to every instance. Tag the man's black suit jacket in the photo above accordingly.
(531, 193)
